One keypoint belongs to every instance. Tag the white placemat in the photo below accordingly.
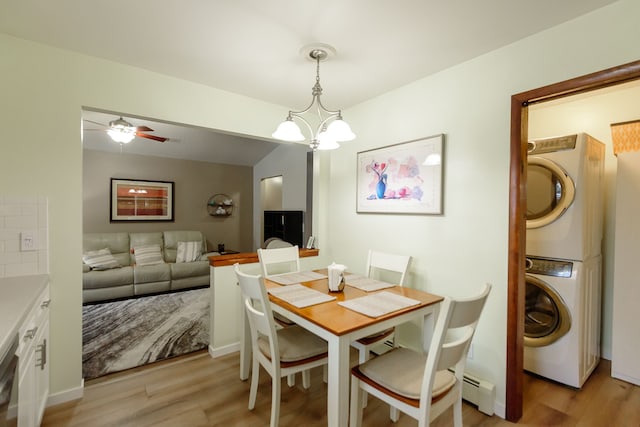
(365, 283)
(300, 296)
(379, 304)
(297, 277)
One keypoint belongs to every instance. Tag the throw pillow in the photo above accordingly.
(100, 259)
(148, 255)
(188, 251)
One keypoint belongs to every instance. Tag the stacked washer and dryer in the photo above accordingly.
(565, 191)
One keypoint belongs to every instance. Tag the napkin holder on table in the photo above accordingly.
(335, 273)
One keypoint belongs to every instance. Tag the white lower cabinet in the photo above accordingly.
(33, 387)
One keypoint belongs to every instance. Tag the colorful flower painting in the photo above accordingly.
(401, 178)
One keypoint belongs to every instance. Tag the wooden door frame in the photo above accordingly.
(517, 206)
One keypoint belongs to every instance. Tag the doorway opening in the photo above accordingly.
(517, 208)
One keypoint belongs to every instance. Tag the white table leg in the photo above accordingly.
(428, 325)
(338, 387)
(245, 347)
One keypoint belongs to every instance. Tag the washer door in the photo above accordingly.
(550, 191)
(546, 316)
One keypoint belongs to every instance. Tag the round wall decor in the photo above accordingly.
(220, 205)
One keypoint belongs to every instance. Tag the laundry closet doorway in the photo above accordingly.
(517, 209)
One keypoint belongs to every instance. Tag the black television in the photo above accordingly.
(287, 225)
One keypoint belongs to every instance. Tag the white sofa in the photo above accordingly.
(127, 278)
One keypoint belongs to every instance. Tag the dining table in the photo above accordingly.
(340, 325)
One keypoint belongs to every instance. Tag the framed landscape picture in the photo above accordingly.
(136, 200)
(401, 178)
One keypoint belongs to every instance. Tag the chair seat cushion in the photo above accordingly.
(295, 344)
(378, 336)
(401, 370)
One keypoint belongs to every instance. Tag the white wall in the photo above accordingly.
(20, 214)
(467, 246)
(290, 162)
(44, 89)
(593, 112)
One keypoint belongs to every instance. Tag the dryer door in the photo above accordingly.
(550, 191)
(546, 315)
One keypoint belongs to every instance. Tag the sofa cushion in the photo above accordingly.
(189, 251)
(100, 259)
(189, 269)
(151, 273)
(171, 239)
(117, 243)
(148, 255)
(108, 278)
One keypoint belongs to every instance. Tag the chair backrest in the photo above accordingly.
(258, 309)
(279, 260)
(380, 263)
(275, 242)
(452, 337)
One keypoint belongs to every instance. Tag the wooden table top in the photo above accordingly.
(340, 320)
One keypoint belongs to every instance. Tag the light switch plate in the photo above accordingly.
(28, 241)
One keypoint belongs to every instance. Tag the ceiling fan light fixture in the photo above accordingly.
(331, 129)
(122, 136)
(121, 131)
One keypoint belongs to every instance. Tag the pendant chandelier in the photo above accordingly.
(331, 129)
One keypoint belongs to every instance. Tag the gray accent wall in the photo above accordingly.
(195, 183)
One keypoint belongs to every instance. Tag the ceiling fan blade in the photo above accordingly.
(95, 123)
(143, 129)
(153, 137)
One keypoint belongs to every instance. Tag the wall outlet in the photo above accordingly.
(28, 241)
(470, 353)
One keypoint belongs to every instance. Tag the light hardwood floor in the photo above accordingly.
(196, 390)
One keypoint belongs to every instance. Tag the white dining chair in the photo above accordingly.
(388, 267)
(274, 243)
(281, 352)
(423, 384)
(279, 260)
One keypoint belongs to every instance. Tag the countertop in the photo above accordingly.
(17, 296)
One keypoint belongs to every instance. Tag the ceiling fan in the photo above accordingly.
(124, 132)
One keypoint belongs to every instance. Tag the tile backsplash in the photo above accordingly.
(23, 216)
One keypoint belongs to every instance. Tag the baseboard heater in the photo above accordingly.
(479, 392)
(474, 390)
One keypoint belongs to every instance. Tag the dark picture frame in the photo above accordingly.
(141, 200)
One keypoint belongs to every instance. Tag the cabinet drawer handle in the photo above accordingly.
(42, 348)
(45, 303)
(30, 333)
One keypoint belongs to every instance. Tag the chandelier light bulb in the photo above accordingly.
(288, 131)
(340, 130)
(326, 141)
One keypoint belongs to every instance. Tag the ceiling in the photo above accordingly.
(185, 142)
(252, 47)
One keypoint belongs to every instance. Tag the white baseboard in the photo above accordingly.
(223, 351)
(66, 395)
(500, 410)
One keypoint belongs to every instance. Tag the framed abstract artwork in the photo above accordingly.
(136, 200)
(401, 178)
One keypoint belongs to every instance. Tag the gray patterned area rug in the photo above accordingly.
(124, 334)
